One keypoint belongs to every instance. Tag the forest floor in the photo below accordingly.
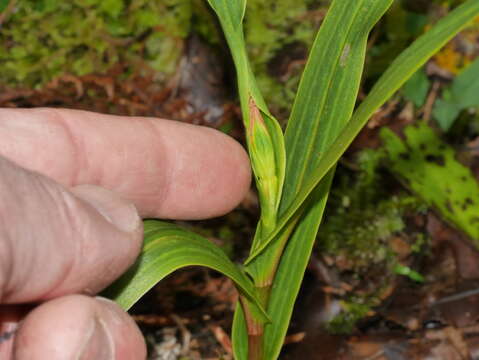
(392, 277)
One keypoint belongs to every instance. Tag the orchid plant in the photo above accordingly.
(293, 169)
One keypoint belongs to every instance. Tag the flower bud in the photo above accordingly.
(264, 165)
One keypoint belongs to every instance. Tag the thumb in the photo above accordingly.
(79, 327)
(60, 242)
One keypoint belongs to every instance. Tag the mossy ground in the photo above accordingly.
(367, 217)
(365, 236)
(44, 39)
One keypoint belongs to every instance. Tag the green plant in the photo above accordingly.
(293, 170)
(428, 167)
(416, 88)
(461, 95)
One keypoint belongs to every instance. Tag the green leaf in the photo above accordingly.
(396, 75)
(328, 88)
(263, 267)
(288, 279)
(446, 112)
(324, 103)
(326, 95)
(427, 166)
(168, 248)
(416, 88)
(291, 270)
(465, 88)
(407, 271)
(461, 95)
(269, 184)
(230, 12)
(239, 335)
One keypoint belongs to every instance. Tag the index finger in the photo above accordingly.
(167, 169)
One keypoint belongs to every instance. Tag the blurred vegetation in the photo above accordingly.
(44, 39)
(41, 40)
(461, 95)
(366, 236)
(428, 166)
(363, 216)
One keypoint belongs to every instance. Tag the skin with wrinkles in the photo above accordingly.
(72, 187)
(168, 169)
(77, 261)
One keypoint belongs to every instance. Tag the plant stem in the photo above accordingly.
(255, 333)
(255, 328)
(264, 281)
(255, 346)
(263, 268)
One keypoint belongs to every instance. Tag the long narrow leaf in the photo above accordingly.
(397, 74)
(239, 335)
(327, 93)
(230, 14)
(168, 248)
(324, 103)
(291, 270)
(328, 89)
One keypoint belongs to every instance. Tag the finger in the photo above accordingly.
(79, 328)
(55, 242)
(168, 169)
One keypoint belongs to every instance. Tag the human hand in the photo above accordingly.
(64, 237)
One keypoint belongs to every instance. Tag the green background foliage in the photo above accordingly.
(462, 94)
(44, 39)
(363, 215)
(277, 30)
(428, 166)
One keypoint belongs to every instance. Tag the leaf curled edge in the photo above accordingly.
(167, 248)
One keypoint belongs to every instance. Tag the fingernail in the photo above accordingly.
(99, 345)
(116, 210)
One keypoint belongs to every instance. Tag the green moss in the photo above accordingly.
(44, 39)
(361, 234)
(275, 29)
(362, 219)
(362, 216)
(344, 322)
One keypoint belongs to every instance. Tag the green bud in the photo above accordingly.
(263, 161)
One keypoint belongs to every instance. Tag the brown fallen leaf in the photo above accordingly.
(294, 338)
